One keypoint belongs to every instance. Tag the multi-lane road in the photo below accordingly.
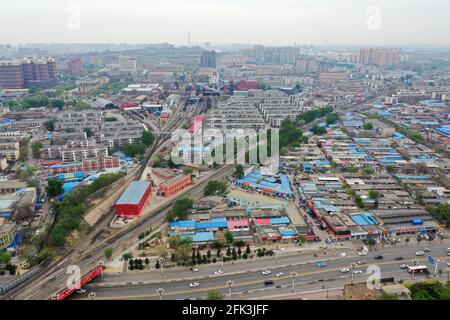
(307, 275)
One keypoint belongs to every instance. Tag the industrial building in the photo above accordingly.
(174, 185)
(134, 199)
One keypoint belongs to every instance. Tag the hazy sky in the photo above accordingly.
(274, 22)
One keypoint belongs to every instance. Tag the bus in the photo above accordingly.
(417, 269)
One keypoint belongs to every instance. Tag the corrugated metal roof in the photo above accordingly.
(134, 192)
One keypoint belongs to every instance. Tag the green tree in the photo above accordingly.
(214, 295)
(368, 126)
(215, 187)
(318, 130)
(239, 171)
(148, 138)
(133, 150)
(289, 133)
(332, 118)
(108, 253)
(368, 171)
(50, 125)
(441, 213)
(5, 257)
(54, 187)
(89, 132)
(180, 209)
(374, 194)
(56, 103)
(36, 149)
(228, 236)
(351, 169)
(82, 105)
(23, 150)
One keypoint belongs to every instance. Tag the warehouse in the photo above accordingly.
(134, 199)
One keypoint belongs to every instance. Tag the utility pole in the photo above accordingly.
(160, 291)
(161, 261)
(229, 284)
(222, 262)
(293, 275)
(276, 256)
(436, 267)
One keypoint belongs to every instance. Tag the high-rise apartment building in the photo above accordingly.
(208, 59)
(127, 64)
(272, 55)
(379, 56)
(75, 67)
(27, 72)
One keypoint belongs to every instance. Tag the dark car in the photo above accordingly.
(398, 258)
(268, 282)
(378, 257)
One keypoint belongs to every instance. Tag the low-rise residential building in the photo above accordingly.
(7, 233)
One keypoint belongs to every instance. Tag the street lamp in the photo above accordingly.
(276, 253)
(293, 275)
(353, 272)
(160, 291)
(229, 284)
(436, 267)
(161, 262)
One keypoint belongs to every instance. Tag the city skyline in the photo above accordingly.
(346, 22)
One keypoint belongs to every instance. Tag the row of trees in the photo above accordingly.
(311, 115)
(70, 211)
(441, 213)
(41, 100)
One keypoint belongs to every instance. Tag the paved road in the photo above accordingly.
(254, 280)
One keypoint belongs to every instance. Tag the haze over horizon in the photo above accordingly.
(338, 22)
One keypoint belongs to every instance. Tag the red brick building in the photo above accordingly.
(94, 164)
(174, 185)
(134, 199)
(245, 85)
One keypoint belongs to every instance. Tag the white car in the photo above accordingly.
(194, 284)
(266, 272)
(448, 263)
(362, 253)
(218, 272)
(279, 274)
(420, 253)
(194, 270)
(361, 262)
(81, 290)
(342, 254)
(427, 250)
(403, 266)
(345, 270)
(357, 271)
(448, 250)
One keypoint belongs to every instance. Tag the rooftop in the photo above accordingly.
(134, 192)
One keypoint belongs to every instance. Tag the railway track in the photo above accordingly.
(89, 251)
(55, 280)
